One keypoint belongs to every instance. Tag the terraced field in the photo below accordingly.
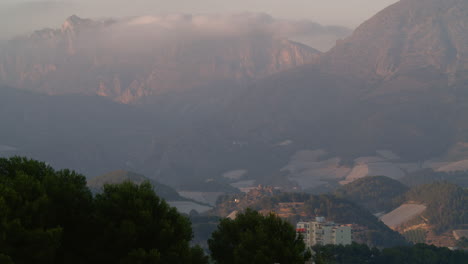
(402, 214)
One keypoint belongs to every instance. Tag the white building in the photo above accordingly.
(323, 233)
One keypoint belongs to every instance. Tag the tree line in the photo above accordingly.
(49, 216)
(360, 253)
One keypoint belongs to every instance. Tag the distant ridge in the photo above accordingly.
(97, 183)
(128, 60)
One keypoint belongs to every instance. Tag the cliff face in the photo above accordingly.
(127, 61)
(405, 37)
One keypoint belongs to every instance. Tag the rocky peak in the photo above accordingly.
(74, 22)
(406, 36)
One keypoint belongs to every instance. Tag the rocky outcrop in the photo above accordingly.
(408, 36)
(127, 61)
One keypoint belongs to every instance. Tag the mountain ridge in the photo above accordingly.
(406, 35)
(128, 61)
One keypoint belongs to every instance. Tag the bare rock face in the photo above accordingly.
(128, 60)
(405, 37)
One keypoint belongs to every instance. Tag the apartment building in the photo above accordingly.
(323, 233)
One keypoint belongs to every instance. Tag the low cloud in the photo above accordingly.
(24, 18)
(241, 24)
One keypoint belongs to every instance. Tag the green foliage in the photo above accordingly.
(417, 254)
(41, 210)
(254, 238)
(337, 254)
(4, 259)
(132, 220)
(377, 193)
(49, 216)
(447, 204)
(423, 254)
(462, 243)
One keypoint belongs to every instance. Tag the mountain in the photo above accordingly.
(97, 183)
(397, 83)
(130, 59)
(411, 37)
(199, 107)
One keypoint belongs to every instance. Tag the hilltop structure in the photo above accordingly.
(321, 232)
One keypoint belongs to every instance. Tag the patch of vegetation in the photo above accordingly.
(255, 238)
(49, 216)
(419, 253)
(462, 243)
(447, 204)
(377, 193)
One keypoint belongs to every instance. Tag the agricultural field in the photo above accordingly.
(416, 235)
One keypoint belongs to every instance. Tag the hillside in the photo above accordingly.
(447, 205)
(95, 184)
(300, 206)
(396, 84)
(376, 194)
(430, 213)
(428, 176)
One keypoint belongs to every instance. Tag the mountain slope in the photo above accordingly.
(397, 83)
(376, 194)
(411, 35)
(447, 207)
(130, 59)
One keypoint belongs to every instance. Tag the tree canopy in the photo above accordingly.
(375, 193)
(254, 238)
(49, 216)
(357, 253)
(447, 204)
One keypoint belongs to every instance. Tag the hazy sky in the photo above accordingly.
(21, 15)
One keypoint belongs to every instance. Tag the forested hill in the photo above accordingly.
(447, 205)
(427, 176)
(377, 193)
(96, 184)
(301, 206)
